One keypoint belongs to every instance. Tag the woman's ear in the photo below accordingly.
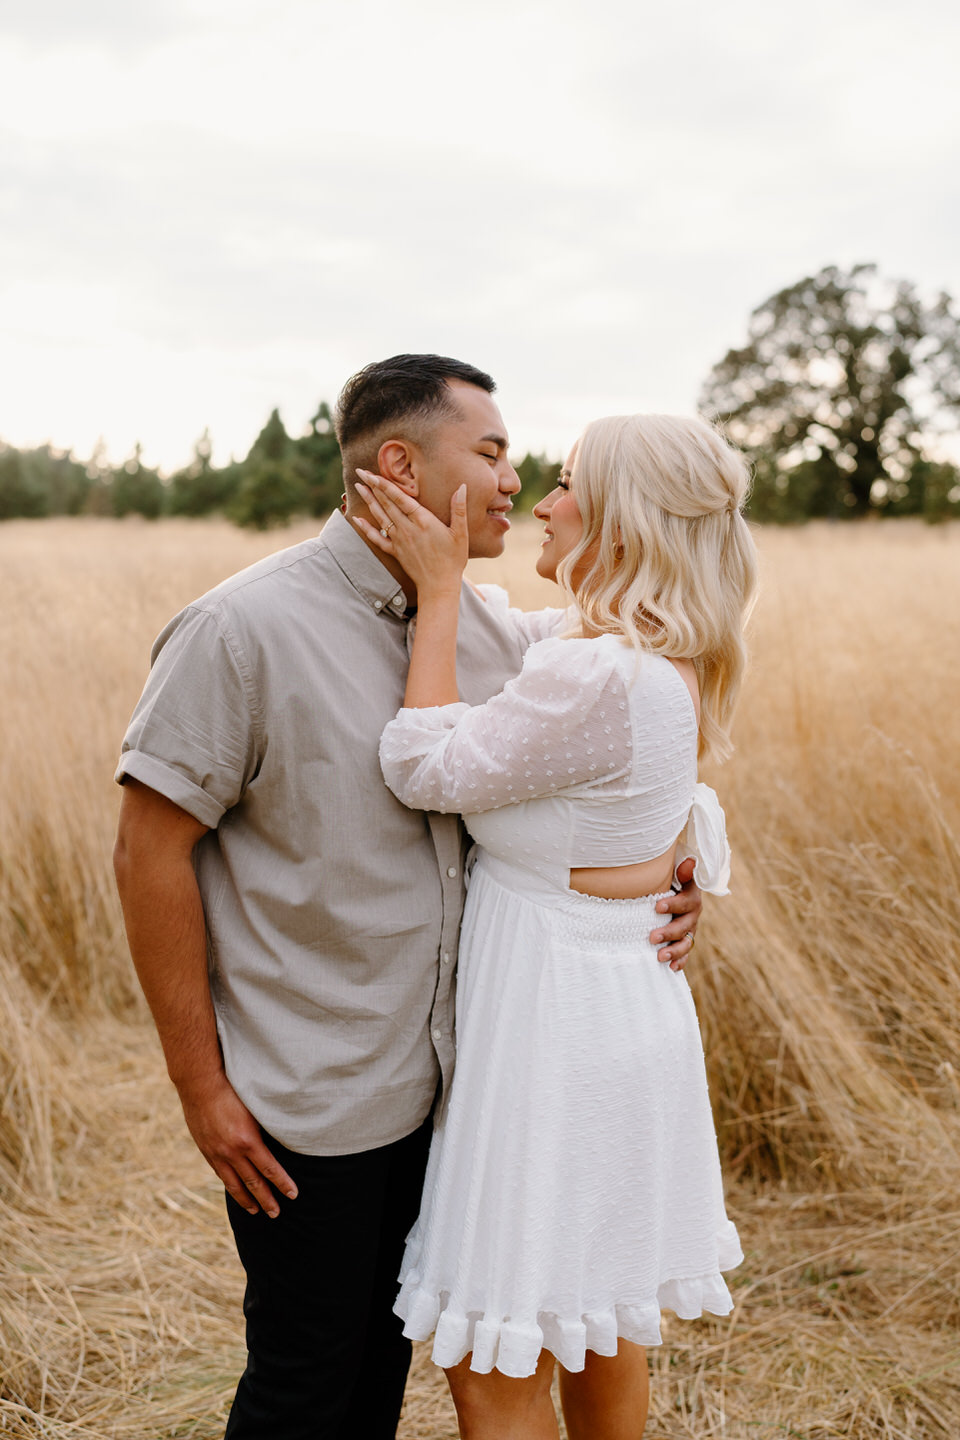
(395, 460)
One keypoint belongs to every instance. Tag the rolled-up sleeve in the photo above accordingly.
(194, 736)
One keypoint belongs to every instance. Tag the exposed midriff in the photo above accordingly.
(626, 882)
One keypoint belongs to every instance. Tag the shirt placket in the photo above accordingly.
(448, 843)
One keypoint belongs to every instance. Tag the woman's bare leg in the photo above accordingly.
(497, 1407)
(608, 1398)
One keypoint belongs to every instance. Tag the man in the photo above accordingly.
(293, 926)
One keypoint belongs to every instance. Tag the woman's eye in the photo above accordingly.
(563, 484)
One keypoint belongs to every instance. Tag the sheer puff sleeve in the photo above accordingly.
(561, 723)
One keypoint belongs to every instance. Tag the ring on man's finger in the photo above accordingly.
(689, 935)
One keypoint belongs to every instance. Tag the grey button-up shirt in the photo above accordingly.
(333, 911)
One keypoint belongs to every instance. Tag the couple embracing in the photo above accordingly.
(320, 739)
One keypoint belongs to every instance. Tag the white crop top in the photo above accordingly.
(587, 758)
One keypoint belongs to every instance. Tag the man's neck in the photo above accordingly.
(388, 562)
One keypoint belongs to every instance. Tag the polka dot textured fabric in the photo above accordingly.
(597, 744)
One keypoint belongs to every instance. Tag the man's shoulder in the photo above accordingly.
(257, 605)
(258, 585)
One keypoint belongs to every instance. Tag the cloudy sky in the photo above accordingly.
(211, 207)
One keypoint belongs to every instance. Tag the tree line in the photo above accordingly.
(281, 476)
(845, 386)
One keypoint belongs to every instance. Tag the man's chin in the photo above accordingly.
(489, 548)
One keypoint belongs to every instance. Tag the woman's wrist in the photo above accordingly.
(439, 593)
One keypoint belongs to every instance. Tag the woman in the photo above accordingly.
(574, 1186)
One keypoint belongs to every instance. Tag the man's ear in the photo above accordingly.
(397, 462)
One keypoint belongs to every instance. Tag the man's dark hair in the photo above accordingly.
(405, 387)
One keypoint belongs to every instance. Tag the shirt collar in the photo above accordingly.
(366, 574)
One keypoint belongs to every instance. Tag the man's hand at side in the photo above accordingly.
(229, 1139)
(163, 913)
(685, 908)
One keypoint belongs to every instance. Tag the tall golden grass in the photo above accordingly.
(827, 986)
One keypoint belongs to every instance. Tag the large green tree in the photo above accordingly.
(843, 386)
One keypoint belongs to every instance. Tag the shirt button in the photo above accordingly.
(438, 1034)
(452, 871)
(445, 957)
(378, 604)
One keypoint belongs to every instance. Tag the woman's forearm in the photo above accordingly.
(432, 677)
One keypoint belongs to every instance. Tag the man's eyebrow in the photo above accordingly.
(500, 441)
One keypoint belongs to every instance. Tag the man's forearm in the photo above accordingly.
(167, 935)
(163, 914)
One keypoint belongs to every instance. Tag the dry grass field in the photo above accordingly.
(828, 987)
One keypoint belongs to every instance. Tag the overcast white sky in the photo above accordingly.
(211, 207)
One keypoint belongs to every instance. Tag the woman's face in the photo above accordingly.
(563, 524)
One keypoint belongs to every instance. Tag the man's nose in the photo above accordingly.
(509, 480)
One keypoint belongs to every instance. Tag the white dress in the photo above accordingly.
(573, 1187)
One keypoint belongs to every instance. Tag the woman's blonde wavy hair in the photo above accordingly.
(666, 558)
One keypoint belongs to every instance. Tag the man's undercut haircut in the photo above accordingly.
(411, 389)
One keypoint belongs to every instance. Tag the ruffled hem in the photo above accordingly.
(513, 1346)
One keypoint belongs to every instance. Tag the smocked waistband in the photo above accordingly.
(586, 918)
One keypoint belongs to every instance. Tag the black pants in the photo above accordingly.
(326, 1357)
